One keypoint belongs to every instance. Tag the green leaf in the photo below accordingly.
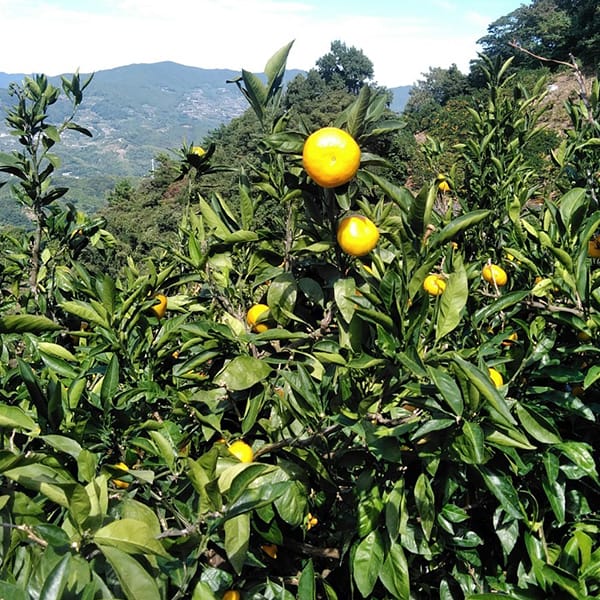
(457, 226)
(63, 444)
(255, 92)
(234, 480)
(564, 580)
(572, 208)
(15, 417)
(591, 376)
(537, 426)
(110, 383)
(133, 509)
(291, 505)
(394, 574)
(13, 591)
(252, 499)
(400, 195)
(344, 290)
(487, 389)
(242, 373)
(55, 350)
(287, 142)
(470, 445)
(425, 501)
(581, 455)
(136, 582)
(54, 484)
(84, 311)
(240, 236)
(212, 220)
(56, 580)
(485, 313)
(367, 562)
(131, 536)
(275, 69)
(420, 210)
(165, 448)
(357, 112)
(237, 539)
(554, 487)
(31, 382)
(452, 301)
(503, 489)
(447, 388)
(27, 324)
(307, 590)
(282, 296)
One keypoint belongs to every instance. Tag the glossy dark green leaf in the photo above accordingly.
(307, 589)
(448, 388)
(452, 301)
(56, 581)
(487, 389)
(367, 561)
(135, 581)
(110, 383)
(395, 574)
(457, 226)
(470, 445)
(503, 489)
(425, 501)
(538, 427)
(237, 540)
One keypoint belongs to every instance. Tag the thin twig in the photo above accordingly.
(296, 442)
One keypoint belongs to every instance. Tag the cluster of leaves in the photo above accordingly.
(386, 462)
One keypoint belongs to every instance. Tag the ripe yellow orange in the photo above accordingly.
(434, 284)
(331, 157)
(357, 235)
(496, 377)
(594, 247)
(255, 317)
(118, 482)
(241, 451)
(270, 550)
(494, 274)
(231, 595)
(160, 308)
(199, 150)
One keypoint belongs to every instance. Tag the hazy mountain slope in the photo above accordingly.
(135, 112)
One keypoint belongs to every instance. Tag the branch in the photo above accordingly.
(296, 442)
(572, 65)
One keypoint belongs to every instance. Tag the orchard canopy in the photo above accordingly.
(411, 412)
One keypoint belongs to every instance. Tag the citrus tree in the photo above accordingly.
(385, 394)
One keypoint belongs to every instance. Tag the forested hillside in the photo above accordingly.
(134, 113)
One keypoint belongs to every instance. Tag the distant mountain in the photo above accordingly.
(135, 112)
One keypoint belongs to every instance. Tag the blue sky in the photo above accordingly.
(403, 38)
